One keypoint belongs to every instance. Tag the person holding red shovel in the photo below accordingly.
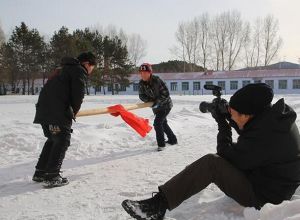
(153, 89)
(58, 103)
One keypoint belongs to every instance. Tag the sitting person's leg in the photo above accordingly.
(211, 168)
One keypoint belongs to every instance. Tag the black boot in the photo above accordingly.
(55, 180)
(172, 142)
(149, 209)
(161, 147)
(38, 176)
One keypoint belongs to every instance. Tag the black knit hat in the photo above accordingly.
(145, 67)
(252, 99)
(87, 57)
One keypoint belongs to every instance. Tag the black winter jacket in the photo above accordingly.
(62, 95)
(267, 151)
(155, 90)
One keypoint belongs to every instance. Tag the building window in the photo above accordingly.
(98, 89)
(173, 86)
(282, 84)
(209, 83)
(122, 88)
(270, 83)
(222, 84)
(116, 87)
(296, 84)
(185, 86)
(245, 82)
(257, 81)
(135, 87)
(109, 88)
(196, 85)
(233, 85)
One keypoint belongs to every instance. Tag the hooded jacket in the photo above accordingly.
(155, 90)
(62, 95)
(267, 151)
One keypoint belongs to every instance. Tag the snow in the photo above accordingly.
(108, 162)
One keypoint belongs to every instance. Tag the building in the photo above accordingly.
(283, 81)
(283, 77)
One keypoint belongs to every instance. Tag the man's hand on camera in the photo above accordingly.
(215, 113)
(220, 110)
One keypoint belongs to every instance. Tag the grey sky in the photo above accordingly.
(155, 20)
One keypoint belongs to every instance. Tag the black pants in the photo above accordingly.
(211, 168)
(161, 127)
(54, 149)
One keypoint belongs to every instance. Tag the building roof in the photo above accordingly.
(280, 65)
(225, 74)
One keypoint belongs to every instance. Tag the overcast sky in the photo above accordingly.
(155, 20)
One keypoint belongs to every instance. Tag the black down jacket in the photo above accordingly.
(62, 95)
(267, 151)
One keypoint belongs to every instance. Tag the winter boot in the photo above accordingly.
(38, 176)
(55, 180)
(161, 148)
(149, 209)
(172, 142)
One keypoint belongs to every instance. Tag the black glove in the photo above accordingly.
(219, 110)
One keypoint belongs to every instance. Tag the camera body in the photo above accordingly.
(218, 105)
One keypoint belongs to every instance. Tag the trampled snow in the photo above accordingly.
(108, 162)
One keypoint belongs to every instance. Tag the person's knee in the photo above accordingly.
(212, 161)
(211, 157)
(62, 140)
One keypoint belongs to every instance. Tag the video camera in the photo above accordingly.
(218, 105)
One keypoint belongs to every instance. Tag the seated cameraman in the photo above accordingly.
(262, 167)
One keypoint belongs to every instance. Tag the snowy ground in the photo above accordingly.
(108, 162)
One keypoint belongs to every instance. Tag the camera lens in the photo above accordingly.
(204, 107)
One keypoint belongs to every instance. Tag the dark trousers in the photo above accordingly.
(211, 168)
(161, 127)
(54, 149)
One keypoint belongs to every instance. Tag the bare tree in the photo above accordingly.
(2, 35)
(225, 40)
(136, 47)
(194, 30)
(252, 45)
(111, 31)
(236, 38)
(180, 51)
(189, 43)
(123, 37)
(229, 34)
(187, 35)
(270, 39)
(204, 38)
(220, 38)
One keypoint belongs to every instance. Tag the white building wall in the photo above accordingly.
(202, 91)
(228, 90)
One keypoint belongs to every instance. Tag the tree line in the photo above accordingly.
(221, 42)
(26, 57)
(225, 41)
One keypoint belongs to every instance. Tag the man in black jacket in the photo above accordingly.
(58, 103)
(153, 89)
(263, 166)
